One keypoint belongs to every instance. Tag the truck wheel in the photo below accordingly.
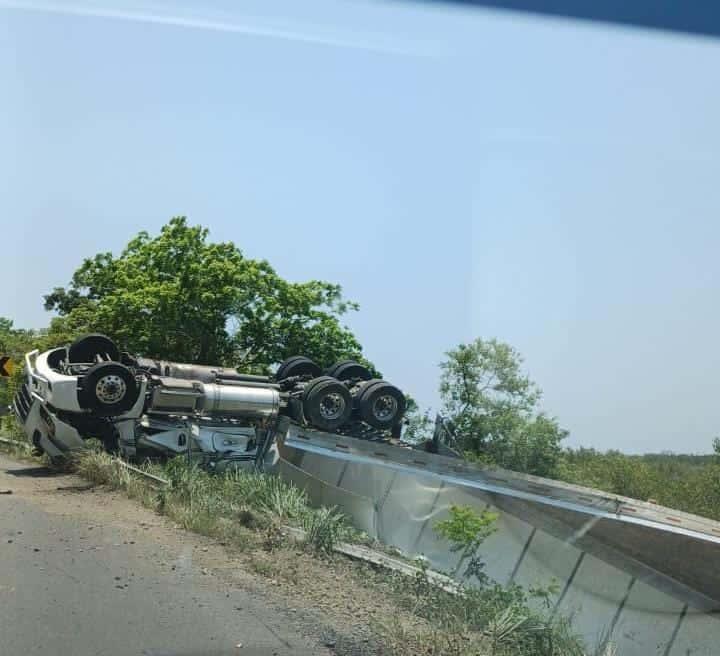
(381, 404)
(279, 374)
(108, 389)
(327, 403)
(349, 369)
(87, 348)
(298, 365)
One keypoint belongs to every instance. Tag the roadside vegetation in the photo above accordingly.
(684, 482)
(16, 443)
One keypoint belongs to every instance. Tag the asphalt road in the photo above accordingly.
(84, 573)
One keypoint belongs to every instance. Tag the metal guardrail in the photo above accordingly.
(368, 555)
(16, 443)
(140, 472)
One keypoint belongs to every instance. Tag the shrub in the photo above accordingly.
(324, 528)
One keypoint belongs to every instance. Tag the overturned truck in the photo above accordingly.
(140, 406)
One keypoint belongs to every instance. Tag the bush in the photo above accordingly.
(466, 531)
(683, 482)
(324, 528)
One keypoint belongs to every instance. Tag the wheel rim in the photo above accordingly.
(332, 406)
(385, 407)
(110, 389)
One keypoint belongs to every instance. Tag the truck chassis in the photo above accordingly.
(137, 406)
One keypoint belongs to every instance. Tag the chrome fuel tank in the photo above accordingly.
(239, 401)
(179, 396)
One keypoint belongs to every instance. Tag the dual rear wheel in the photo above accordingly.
(329, 401)
(380, 404)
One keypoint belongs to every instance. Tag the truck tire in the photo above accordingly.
(108, 389)
(298, 365)
(87, 348)
(380, 404)
(349, 370)
(281, 369)
(327, 405)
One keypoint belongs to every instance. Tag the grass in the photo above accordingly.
(324, 529)
(10, 430)
(231, 506)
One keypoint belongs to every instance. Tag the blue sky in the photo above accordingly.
(460, 172)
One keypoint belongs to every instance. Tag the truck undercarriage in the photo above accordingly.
(140, 406)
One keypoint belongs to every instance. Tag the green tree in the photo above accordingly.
(418, 423)
(493, 406)
(179, 296)
(466, 530)
(14, 342)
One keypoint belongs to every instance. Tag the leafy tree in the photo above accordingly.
(493, 406)
(466, 530)
(14, 342)
(179, 296)
(418, 423)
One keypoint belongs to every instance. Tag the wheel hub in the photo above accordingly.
(385, 407)
(332, 406)
(110, 389)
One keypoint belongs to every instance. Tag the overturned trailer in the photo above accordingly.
(136, 405)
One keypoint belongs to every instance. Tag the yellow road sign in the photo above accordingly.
(6, 366)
